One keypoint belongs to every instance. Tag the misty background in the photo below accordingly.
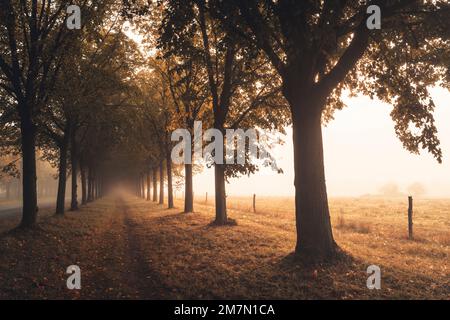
(362, 156)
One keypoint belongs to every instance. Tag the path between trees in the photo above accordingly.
(129, 248)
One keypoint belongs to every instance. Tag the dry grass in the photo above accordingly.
(372, 229)
(131, 248)
(358, 227)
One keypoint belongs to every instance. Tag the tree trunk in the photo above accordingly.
(219, 181)
(94, 189)
(83, 183)
(169, 180)
(74, 164)
(90, 185)
(155, 185)
(220, 196)
(161, 182)
(314, 234)
(29, 197)
(140, 186)
(148, 185)
(62, 174)
(97, 187)
(188, 189)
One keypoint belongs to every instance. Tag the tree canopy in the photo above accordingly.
(102, 101)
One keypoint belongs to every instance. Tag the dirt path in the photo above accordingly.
(141, 275)
(100, 239)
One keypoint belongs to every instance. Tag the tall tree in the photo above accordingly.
(240, 85)
(320, 48)
(156, 110)
(35, 41)
(186, 82)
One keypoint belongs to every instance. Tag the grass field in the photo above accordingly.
(131, 248)
(373, 229)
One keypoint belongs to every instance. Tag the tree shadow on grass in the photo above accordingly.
(20, 232)
(230, 223)
(294, 260)
(301, 278)
(170, 217)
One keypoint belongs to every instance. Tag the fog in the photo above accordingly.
(47, 184)
(362, 155)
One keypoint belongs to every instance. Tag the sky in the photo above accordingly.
(362, 153)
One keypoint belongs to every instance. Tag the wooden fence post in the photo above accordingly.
(206, 200)
(254, 202)
(410, 218)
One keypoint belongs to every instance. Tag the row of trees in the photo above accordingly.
(62, 92)
(104, 107)
(256, 59)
